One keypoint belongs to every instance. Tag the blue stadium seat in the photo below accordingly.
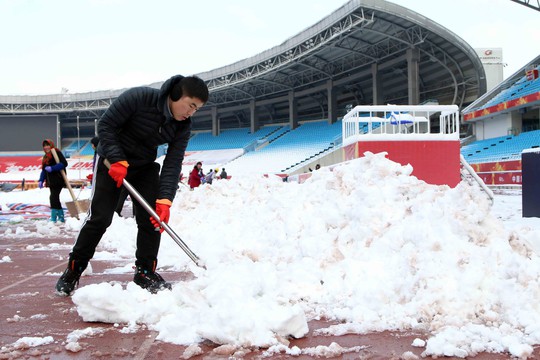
(86, 149)
(71, 148)
(291, 148)
(500, 148)
(228, 139)
(520, 88)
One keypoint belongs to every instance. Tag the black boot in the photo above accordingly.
(150, 280)
(69, 279)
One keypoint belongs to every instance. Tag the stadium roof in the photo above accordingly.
(408, 57)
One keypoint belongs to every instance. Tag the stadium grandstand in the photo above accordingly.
(280, 111)
(504, 122)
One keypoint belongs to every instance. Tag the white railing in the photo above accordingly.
(468, 171)
(404, 122)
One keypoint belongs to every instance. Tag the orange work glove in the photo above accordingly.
(118, 172)
(163, 210)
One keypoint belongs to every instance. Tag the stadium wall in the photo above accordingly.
(499, 125)
(333, 157)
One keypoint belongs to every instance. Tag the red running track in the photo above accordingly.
(30, 308)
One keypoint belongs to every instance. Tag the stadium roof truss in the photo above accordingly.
(340, 51)
(533, 4)
(56, 107)
(315, 66)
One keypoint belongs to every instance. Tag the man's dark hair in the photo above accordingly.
(191, 86)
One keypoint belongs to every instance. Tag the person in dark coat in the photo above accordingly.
(223, 174)
(94, 142)
(51, 176)
(130, 131)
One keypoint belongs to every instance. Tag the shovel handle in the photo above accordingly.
(133, 192)
(66, 180)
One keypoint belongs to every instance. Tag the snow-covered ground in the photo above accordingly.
(366, 244)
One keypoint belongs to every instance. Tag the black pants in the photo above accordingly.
(145, 180)
(121, 200)
(54, 197)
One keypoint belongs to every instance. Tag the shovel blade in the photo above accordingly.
(78, 207)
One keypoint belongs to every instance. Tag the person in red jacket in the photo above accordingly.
(139, 121)
(195, 176)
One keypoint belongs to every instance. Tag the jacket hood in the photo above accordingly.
(48, 141)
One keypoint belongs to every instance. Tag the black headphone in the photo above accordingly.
(176, 89)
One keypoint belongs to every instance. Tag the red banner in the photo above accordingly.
(501, 178)
(499, 173)
(531, 74)
(19, 163)
(501, 166)
(29, 163)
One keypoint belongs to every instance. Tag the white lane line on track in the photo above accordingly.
(61, 265)
(145, 346)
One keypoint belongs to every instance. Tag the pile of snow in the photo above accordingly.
(366, 244)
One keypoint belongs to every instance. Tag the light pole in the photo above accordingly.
(78, 135)
(78, 146)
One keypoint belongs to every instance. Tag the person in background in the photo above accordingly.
(94, 142)
(130, 132)
(195, 176)
(212, 174)
(223, 174)
(51, 176)
(201, 175)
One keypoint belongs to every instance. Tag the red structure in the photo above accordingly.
(404, 133)
(435, 162)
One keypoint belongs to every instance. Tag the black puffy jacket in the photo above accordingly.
(133, 127)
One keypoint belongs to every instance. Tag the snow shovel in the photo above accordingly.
(135, 194)
(77, 206)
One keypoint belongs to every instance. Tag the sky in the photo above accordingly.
(91, 45)
(366, 244)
